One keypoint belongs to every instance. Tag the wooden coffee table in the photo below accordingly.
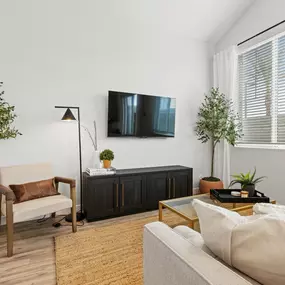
(183, 207)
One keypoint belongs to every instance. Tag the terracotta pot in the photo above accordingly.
(107, 163)
(205, 186)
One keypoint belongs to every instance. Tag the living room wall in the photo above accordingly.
(66, 53)
(261, 15)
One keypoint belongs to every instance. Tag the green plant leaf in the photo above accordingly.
(257, 180)
(107, 154)
(254, 172)
(217, 120)
(7, 118)
(246, 179)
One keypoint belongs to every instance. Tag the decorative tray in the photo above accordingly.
(224, 196)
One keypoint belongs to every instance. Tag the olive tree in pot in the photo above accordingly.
(7, 118)
(107, 156)
(216, 121)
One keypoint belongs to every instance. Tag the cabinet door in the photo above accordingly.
(180, 184)
(158, 189)
(101, 198)
(132, 194)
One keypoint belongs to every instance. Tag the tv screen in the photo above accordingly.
(137, 115)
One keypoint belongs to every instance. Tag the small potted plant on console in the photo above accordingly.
(247, 181)
(107, 156)
(216, 122)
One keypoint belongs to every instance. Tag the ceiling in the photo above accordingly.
(207, 20)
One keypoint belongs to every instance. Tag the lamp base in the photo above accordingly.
(79, 217)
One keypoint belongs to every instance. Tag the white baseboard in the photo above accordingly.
(196, 191)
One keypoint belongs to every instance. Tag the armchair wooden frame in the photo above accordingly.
(10, 198)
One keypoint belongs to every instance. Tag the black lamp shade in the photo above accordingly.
(68, 116)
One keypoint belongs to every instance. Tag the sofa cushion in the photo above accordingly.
(254, 245)
(194, 237)
(35, 208)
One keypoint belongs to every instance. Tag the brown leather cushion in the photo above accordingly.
(34, 190)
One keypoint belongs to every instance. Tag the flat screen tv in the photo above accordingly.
(138, 115)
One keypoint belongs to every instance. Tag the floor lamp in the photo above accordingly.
(68, 116)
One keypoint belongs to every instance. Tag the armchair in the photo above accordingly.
(24, 211)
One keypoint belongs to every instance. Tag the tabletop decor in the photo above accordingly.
(247, 181)
(97, 163)
(107, 156)
(225, 196)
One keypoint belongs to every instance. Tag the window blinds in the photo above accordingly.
(261, 100)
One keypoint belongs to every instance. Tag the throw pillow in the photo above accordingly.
(254, 245)
(268, 208)
(33, 190)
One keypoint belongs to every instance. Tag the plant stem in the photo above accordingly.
(95, 134)
(213, 155)
(93, 142)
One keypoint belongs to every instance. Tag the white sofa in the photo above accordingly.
(179, 257)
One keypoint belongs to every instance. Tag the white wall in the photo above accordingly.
(66, 53)
(260, 16)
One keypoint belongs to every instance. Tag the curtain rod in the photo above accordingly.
(264, 31)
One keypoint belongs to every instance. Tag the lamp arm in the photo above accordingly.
(94, 142)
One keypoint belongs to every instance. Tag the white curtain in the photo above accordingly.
(225, 77)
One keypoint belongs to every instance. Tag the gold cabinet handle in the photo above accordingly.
(123, 195)
(169, 192)
(173, 187)
(117, 195)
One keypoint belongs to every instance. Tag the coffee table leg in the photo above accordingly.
(160, 212)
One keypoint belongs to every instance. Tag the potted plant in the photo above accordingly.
(247, 181)
(216, 121)
(107, 156)
(7, 118)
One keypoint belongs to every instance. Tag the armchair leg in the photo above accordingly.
(53, 215)
(73, 209)
(10, 227)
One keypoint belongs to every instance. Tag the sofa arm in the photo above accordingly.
(9, 194)
(171, 259)
(69, 181)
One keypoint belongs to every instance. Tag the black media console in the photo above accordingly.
(132, 191)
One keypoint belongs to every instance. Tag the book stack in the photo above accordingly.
(101, 171)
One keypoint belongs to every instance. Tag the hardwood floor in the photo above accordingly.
(34, 258)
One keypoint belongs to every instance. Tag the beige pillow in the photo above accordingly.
(268, 208)
(254, 245)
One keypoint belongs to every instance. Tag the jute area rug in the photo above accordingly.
(105, 255)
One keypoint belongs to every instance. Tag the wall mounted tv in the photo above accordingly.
(138, 115)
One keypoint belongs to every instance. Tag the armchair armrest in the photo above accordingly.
(69, 181)
(10, 196)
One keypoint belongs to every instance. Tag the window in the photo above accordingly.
(262, 93)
